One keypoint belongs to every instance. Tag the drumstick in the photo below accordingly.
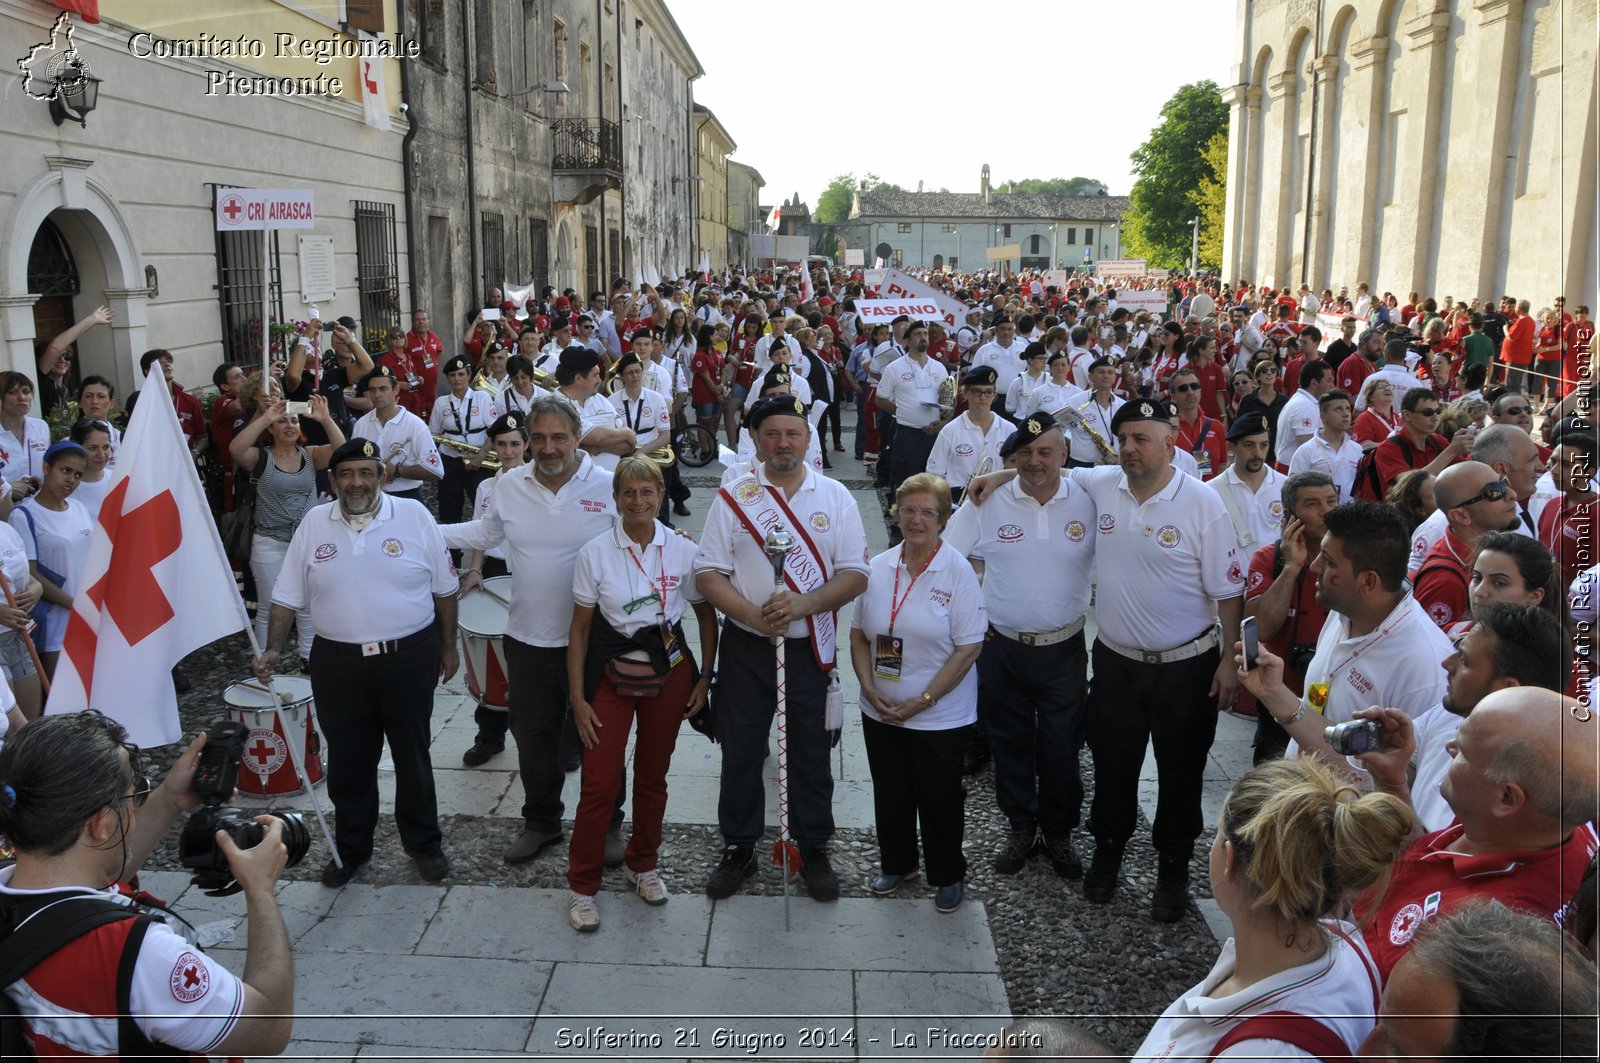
(281, 695)
(496, 595)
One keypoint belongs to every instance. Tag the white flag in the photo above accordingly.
(157, 585)
(374, 94)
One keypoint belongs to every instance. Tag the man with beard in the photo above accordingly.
(1249, 487)
(909, 392)
(1475, 500)
(373, 570)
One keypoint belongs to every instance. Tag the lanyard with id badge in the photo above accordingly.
(657, 595)
(888, 655)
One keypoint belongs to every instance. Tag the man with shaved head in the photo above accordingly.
(1522, 783)
(1475, 500)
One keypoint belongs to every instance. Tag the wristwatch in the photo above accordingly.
(928, 700)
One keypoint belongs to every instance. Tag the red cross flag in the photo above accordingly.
(157, 584)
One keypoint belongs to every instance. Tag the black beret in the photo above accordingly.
(579, 360)
(626, 361)
(560, 321)
(1250, 424)
(511, 421)
(980, 376)
(356, 449)
(381, 371)
(776, 377)
(1142, 410)
(772, 406)
(460, 361)
(1028, 433)
(1098, 362)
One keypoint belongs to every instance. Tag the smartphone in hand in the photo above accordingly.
(1252, 642)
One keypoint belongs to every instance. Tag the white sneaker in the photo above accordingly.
(649, 886)
(583, 914)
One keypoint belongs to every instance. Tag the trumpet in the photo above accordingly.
(662, 455)
(490, 462)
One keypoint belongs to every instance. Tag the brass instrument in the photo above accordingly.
(947, 395)
(544, 380)
(490, 462)
(1108, 456)
(662, 455)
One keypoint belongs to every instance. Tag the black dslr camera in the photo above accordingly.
(214, 780)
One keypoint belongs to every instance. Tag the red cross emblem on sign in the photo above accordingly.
(263, 751)
(232, 206)
(191, 976)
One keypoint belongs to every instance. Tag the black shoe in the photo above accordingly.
(431, 866)
(480, 753)
(1100, 884)
(335, 876)
(738, 864)
(1018, 847)
(975, 760)
(821, 882)
(180, 681)
(1172, 890)
(1062, 857)
(680, 509)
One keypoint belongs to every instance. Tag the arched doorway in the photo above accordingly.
(53, 277)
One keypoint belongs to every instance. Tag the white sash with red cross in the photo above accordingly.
(758, 508)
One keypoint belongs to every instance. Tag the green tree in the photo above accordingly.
(1170, 166)
(1057, 186)
(833, 205)
(1211, 197)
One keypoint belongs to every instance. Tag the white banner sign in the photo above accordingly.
(874, 311)
(1120, 267)
(265, 208)
(1005, 253)
(1154, 301)
(855, 256)
(1329, 326)
(873, 278)
(1055, 278)
(898, 284)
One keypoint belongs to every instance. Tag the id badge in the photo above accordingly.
(669, 639)
(888, 656)
(413, 379)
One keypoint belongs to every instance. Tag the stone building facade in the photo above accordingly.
(713, 145)
(745, 217)
(1443, 146)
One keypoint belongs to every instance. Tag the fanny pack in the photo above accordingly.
(634, 679)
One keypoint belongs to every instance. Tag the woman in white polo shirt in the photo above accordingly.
(1294, 844)
(627, 662)
(916, 634)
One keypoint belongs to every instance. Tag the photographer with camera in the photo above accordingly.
(82, 817)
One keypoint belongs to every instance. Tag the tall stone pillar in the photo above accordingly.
(1428, 36)
(1362, 160)
(1275, 249)
(1326, 72)
(1239, 133)
(1488, 71)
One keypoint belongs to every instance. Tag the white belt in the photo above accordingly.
(1041, 638)
(1193, 648)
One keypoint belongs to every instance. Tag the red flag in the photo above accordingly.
(88, 10)
(157, 584)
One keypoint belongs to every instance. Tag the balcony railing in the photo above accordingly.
(587, 144)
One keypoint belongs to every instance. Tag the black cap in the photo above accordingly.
(980, 376)
(1250, 424)
(560, 321)
(356, 449)
(380, 371)
(776, 377)
(511, 421)
(1028, 433)
(626, 361)
(1099, 362)
(1142, 410)
(578, 360)
(460, 361)
(773, 406)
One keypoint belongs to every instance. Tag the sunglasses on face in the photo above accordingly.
(1431, 411)
(1493, 492)
(1518, 411)
(1183, 388)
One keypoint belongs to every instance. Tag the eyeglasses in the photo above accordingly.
(1516, 411)
(1491, 492)
(1179, 389)
(980, 393)
(141, 791)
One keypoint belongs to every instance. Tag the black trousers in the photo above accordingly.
(916, 779)
(912, 448)
(360, 702)
(1032, 700)
(1132, 704)
(746, 696)
(540, 718)
(457, 488)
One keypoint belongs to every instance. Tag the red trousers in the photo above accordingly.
(658, 721)
(871, 447)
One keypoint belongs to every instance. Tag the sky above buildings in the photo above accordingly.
(930, 91)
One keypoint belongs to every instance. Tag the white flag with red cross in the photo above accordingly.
(157, 585)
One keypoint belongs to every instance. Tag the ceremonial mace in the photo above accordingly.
(786, 856)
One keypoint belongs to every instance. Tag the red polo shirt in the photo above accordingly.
(1353, 373)
(1390, 456)
(426, 350)
(1518, 347)
(1204, 438)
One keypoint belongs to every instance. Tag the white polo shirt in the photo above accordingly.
(1081, 358)
(467, 419)
(665, 377)
(914, 390)
(747, 453)
(1036, 557)
(513, 401)
(943, 609)
(1433, 729)
(829, 518)
(1019, 396)
(1340, 987)
(25, 457)
(763, 355)
(480, 505)
(367, 585)
(596, 412)
(1317, 455)
(612, 573)
(1397, 664)
(1261, 509)
(1297, 421)
(961, 446)
(1164, 564)
(407, 432)
(1087, 411)
(649, 415)
(1432, 529)
(1049, 397)
(542, 532)
(1007, 361)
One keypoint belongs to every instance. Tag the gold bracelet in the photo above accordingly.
(1296, 718)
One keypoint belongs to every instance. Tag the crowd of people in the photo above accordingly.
(1108, 526)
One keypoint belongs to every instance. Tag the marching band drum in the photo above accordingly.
(267, 767)
(481, 616)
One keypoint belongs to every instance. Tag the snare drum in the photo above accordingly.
(482, 618)
(266, 767)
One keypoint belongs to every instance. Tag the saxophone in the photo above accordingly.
(1108, 456)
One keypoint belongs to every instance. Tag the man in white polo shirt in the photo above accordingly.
(373, 571)
(1300, 417)
(973, 440)
(604, 437)
(405, 445)
(909, 391)
(1004, 352)
(1035, 542)
(1250, 489)
(826, 569)
(1331, 450)
(543, 513)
